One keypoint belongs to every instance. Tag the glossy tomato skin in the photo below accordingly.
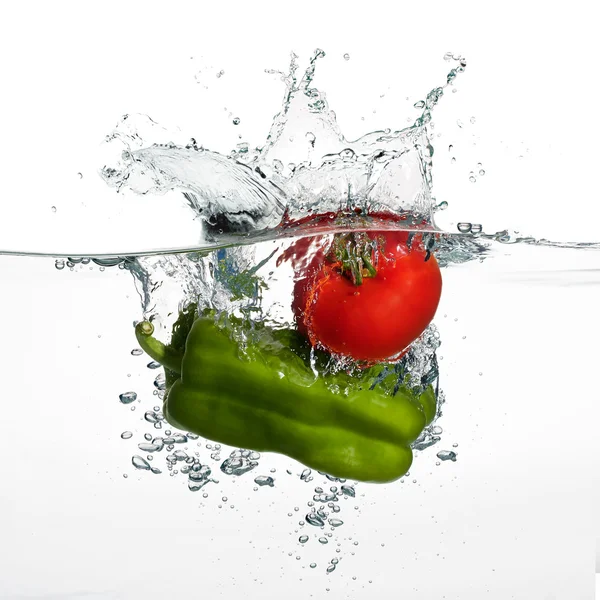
(375, 321)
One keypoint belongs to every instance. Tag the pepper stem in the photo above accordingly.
(166, 355)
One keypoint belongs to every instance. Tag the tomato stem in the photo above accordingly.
(353, 252)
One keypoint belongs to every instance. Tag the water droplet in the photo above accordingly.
(336, 522)
(153, 365)
(472, 178)
(236, 121)
(80, 175)
(331, 568)
(126, 435)
(53, 209)
(303, 539)
(137, 352)
(459, 123)
(476, 228)
(323, 540)
(464, 227)
(220, 74)
(472, 119)
(442, 205)
(419, 104)
(346, 56)
(313, 565)
(481, 171)
(264, 480)
(446, 455)
(128, 397)
(59, 264)
(305, 474)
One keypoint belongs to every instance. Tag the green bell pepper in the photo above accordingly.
(261, 394)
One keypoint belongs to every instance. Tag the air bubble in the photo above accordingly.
(314, 520)
(263, 480)
(446, 455)
(59, 264)
(128, 397)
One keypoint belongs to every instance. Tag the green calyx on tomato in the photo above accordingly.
(367, 296)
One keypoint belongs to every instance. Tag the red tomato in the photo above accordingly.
(379, 319)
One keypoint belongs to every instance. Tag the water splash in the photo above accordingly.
(306, 167)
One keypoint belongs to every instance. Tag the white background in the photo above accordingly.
(513, 517)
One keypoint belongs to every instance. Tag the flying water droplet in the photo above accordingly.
(126, 435)
(323, 540)
(346, 56)
(464, 227)
(476, 228)
(236, 121)
(419, 104)
(153, 365)
(59, 264)
(303, 539)
(137, 352)
(330, 568)
(336, 522)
